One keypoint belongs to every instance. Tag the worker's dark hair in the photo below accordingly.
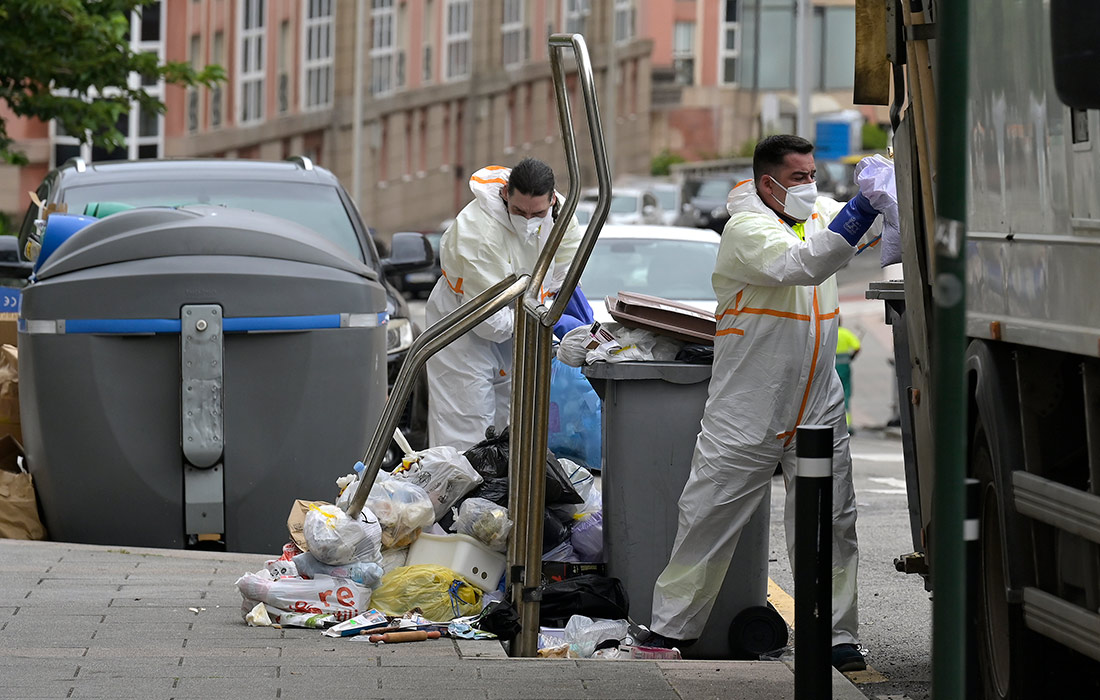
(532, 178)
(771, 152)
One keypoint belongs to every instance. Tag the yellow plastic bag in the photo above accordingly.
(439, 592)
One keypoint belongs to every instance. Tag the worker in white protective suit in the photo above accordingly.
(501, 232)
(773, 370)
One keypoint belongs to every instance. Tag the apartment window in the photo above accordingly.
(427, 34)
(318, 28)
(282, 89)
(513, 50)
(683, 52)
(217, 55)
(457, 39)
(730, 41)
(575, 14)
(624, 21)
(383, 51)
(251, 61)
(193, 106)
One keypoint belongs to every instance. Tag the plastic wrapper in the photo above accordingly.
(585, 485)
(440, 593)
(336, 538)
(587, 537)
(563, 552)
(584, 634)
(875, 177)
(366, 574)
(394, 558)
(341, 597)
(574, 430)
(402, 508)
(444, 473)
(485, 521)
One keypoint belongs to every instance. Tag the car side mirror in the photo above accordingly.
(408, 251)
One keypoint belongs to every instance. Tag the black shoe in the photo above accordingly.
(660, 641)
(846, 657)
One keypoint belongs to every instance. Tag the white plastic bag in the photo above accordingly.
(323, 594)
(402, 508)
(585, 485)
(485, 521)
(394, 558)
(336, 538)
(367, 574)
(443, 472)
(875, 177)
(584, 634)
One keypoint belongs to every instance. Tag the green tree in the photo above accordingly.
(69, 60)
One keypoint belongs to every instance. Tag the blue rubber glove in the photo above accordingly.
(854, 219)
(578, 312)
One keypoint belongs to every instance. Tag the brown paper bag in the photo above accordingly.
(297, 520)
(18, 505)
(9, 392)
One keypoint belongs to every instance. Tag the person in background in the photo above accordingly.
(499, 233)
(773, 370)
(847, 347)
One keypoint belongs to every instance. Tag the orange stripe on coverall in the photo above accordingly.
(810, 380)
(457, 287)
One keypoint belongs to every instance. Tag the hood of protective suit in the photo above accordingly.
(486, 184)
(744, 198)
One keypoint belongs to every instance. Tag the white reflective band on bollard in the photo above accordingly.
(815, 467)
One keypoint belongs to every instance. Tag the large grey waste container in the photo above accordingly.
(187, 373)
(651, 417)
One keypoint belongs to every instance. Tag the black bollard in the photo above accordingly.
(813, 562)
(971, 530)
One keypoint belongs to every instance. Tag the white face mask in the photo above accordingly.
(525, 227)
(800, 200)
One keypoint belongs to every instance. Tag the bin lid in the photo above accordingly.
(157, 232)
(672, 372)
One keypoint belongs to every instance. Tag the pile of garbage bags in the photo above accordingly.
(431, 538)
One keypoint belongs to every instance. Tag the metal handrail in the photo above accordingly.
(431, 341)
(531, 302)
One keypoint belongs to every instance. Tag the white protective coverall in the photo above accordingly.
(469, 381)
(774, 355)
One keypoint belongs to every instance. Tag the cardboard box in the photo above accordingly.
(9, 329)
(9, 392)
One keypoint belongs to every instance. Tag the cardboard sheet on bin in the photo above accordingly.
(662, 316)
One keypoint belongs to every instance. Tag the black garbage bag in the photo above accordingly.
(490, 456)
(500, 618)
(696, 354)
(590, 595)
(554, 532)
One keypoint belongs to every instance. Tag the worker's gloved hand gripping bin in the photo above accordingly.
(187, 373)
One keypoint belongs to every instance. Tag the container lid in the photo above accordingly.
(157, 232)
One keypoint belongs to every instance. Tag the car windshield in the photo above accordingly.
(667, 199)
(318, 207)
(672, 269)
(714, 189)
(433, 240)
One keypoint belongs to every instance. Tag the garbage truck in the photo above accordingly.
(1032, 324)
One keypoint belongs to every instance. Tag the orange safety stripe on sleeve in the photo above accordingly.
(457, 287)
(813, 369)
(730, 331)
(490, 181)
(495, 167)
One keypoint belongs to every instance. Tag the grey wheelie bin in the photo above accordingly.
(187, 373)
(651, 417)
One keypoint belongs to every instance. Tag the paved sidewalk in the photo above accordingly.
(85, 621)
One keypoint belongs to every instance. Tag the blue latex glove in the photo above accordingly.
(578, 312)
(854, 219)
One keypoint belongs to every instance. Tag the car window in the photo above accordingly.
(583, 216)
(318, 207)
(624, 204)
(672, 269)
(714, 189)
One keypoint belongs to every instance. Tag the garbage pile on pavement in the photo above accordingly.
(426, 558)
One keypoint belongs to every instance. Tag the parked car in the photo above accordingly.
(629, 205)
(670, 262)
(296, 190)
(707, 206)
(14, 270)
(419, 283)
(669, 193)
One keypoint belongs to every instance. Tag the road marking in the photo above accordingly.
(784, 605)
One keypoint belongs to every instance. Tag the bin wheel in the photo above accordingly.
(757, 630)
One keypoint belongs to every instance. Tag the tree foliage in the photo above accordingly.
(71, 60)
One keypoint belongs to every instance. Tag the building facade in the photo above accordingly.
(724, 71)
(445, 87)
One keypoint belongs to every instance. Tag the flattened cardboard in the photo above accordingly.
(662, 316)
